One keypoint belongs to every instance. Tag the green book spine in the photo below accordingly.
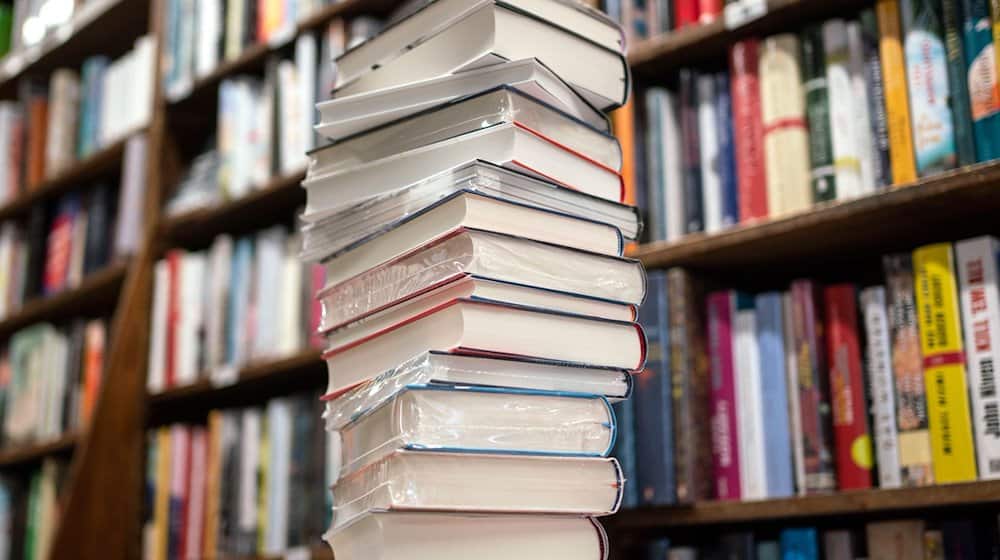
(980, 61)
(824, 184)
(31, 530)
(953, 19)
(6, 25)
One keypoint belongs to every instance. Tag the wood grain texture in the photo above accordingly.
(22, 455)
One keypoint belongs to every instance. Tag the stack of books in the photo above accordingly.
(478, 315)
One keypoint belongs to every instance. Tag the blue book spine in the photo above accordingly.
(727, 157)
(238, 299)
(774, 392)
(799, 544)
(658, 549)
(94, 69)
(624, 451)
(654, 403)
(984, 91)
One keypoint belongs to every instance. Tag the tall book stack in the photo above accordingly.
(478, 315)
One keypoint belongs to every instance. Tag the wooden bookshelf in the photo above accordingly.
(103, 163)
(96, 293)
(30, 454)
(906, 501)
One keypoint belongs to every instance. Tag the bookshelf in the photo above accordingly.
(30, 455)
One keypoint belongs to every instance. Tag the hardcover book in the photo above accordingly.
(748, 130)
(881, 387)
(953, 23)
(981, 73)
(824, 178)
(724, 399)
(694, 211)
(878, 119)
(847, 152)
(774, 396)
(897, 100)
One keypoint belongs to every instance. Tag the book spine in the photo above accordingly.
(977, 273)
(916, 466)
(823, 177)
(748, 130)
(709, 10)
(774, 394)
(847, 393)
(794, 407)
(691, 389)
(711, 175)
(944, 364)
(725, 447)
(927, 76)
(884, 430)
(860, 103)
(813, 405)
(954, 22)
(879, 120)
(655, 445)
(846, 151)
(981, 66)
(625, 451)
(694, 212)
(786, 140)
(897, 101)
(685, 13)
(623, 124)
(727, 161)
(655, 100)
(749, 410)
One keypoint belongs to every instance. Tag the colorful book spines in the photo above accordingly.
(897, 102)
(847, 395)
(749, 129)
(944, 364)
(981, 63)
(725, 450)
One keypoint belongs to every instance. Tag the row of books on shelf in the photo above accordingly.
(30, 503)
(642, 19)
(820, 388)
(950, 538)
(243, 299)
(246, 483)
(53, 125)
(202, 35)
(835, 111)
(50, 378)
(60, 243)
(265, 125)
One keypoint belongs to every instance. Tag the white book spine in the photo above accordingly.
(306, 66)
(192, 290)
(156, 381)
(209, 28)
(708, 134)
(753, 481)
(290, 135)
(882, 389)
(862, 126)
(794, 405)
(673, 170)
(280, 440)
(977, 272)
(846, 154)
(249, 463)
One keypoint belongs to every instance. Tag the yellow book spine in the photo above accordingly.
(897, 103)
(952, 445)
(995, 12)
(210, 543)
(161, 514)
(263, 486)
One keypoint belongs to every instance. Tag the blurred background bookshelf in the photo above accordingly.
(198, 185)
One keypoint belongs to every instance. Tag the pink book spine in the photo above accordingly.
(725, 452)
(317, 279)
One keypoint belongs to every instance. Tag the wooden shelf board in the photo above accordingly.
(889, 220)
(270, 202)
(22, 455)
(106, 161)
(97, 291)
(856, 503)
(255, 383)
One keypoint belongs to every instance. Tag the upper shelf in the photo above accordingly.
(107, 27)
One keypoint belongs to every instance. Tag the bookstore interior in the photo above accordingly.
(617, 279)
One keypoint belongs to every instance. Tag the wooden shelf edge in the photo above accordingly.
(93, 287)
(854, 503)
(94, 165)
(977, 180)
(35, 452)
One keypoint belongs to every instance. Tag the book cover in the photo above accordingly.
(799, 544)
(38, 118)
(916, 466)
(774, 395)
(860, 104)
(823, 177)
(623, 124)
(847, 392)
(981, 73)
(694, 211)
(952, 445)
(878, 118)
(750, 403)
(657, 102)
(727, 156)
(897, 101)
(895, 540)
(847, 151)
(783, 113)
(59, 244)
(685, 13)
(881, 387)
(653, 404)
(625, 451)
(690, 376)
(99, 218)
(953, 22)
(724, 413)
(927, 77)
(748, 129)
(976, 260)
(709, 151)
(814, 406)
(93, 368)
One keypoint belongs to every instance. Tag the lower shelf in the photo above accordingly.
(845, 503)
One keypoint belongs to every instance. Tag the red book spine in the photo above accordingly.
(725, 449)
(749, 130)
(709, 10)
(851, 436)
(173, 313)
(59, 250)
(685, 12)
(317, 281)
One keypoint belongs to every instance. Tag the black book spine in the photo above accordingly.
(694, 217)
